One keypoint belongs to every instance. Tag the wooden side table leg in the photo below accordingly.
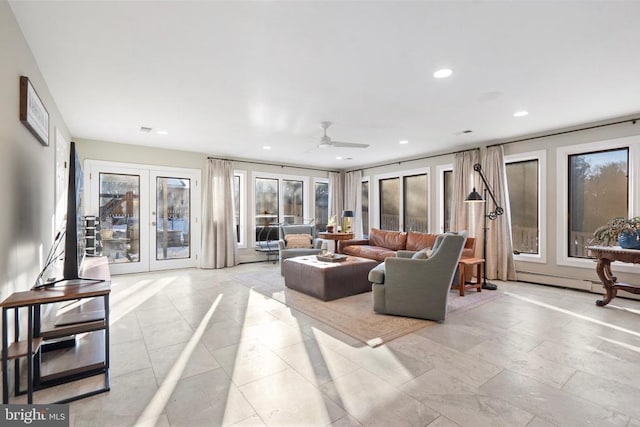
(462, 279)
(479, 276)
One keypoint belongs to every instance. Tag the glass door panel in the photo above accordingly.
(120, 217)
(174, 232)
(118, 197)
(173, 211)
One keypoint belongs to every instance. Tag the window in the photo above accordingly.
(390, 204)
(321, 205)
(597, 181)
(402, 201)
(522, 179)
(415, 203)
(598, 191)
(266, 193)
(278, 199)
(292, 202)
(365, 207)
(239, 208)
(447, 192)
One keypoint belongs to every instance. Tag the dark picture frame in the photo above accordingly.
(33, 113)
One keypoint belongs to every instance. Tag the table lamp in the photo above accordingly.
(346, 221)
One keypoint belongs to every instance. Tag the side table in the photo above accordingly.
(336, 237)
(462, 279)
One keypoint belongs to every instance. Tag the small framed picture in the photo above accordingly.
(33, 114)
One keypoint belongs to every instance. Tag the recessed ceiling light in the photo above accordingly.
(162, 132)
(338, 158)
(404, 141)
(443, 73)
(520, 113)
(266, 147)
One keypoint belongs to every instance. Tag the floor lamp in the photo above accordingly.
(474, 197)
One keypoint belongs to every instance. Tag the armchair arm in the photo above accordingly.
(404, 253)
(281, 244)
(317, 243)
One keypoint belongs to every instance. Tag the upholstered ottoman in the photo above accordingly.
(328, 280)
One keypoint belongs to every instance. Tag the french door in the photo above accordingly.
(149, 216)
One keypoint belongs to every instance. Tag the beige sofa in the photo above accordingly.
(383, 244)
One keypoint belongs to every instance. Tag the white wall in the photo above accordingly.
(27, 167)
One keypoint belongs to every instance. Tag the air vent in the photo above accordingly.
(145, 129)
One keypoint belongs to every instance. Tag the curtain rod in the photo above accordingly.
(564, 132)
(272, 164)
(398, 162)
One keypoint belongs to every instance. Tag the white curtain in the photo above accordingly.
(219, 245)
(353, 200)
(499, 256)
(336, 192)
(466, 216)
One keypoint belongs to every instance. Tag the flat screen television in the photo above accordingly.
(74, 242)
(73, 235)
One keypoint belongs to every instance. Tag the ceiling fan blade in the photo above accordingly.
(349, 144)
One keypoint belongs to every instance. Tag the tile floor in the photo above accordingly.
(195, 348)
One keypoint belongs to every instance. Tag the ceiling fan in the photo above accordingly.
(326, 142)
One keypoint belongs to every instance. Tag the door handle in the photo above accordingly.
(153, 223)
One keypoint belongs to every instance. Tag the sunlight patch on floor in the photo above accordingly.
(574, 314)
(126, 297)
(621, 344)
(155, 408)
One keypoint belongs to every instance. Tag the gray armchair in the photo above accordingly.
(285, 252)
(417, 287)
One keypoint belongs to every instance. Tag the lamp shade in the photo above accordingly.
(347, 214)
(474, 197)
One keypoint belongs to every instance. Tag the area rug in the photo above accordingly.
(354, 315)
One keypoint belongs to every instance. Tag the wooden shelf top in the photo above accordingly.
(93, 267)
(19, 349)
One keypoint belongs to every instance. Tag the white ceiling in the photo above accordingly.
(227, 78)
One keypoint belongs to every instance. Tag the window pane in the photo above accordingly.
(322, 206)
(236, 204)
(119, 217)
(390, 204)
(522, 178)
(598, 191)
(415, 203)
(447, 179)
(292, 203)
(173, 233)
(266, 201)
(365, 208)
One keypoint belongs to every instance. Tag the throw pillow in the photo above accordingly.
(422, 254)
(298, 241)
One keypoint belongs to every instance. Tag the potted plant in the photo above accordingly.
(331, 223)
(624, 231)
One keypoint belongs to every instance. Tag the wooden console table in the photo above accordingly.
(66, 325)
(605, 255)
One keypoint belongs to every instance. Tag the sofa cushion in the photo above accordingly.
(298, 241)
(366, 251)
(393, 240)
(417, 241)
